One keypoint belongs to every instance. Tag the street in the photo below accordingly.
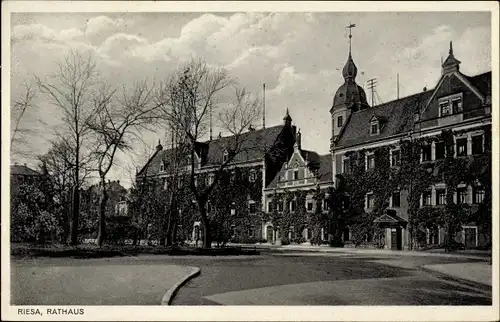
(270, 279)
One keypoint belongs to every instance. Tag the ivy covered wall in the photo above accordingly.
(413, 177)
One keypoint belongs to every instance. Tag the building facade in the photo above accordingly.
(418, 164)
(416, 169)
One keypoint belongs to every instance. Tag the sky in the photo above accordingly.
(299, 56)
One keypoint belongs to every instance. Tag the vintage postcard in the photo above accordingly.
(247, 161)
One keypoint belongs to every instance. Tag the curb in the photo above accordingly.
(170, 294)
(388, 253)
(471, 284)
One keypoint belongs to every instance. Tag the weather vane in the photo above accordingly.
(351, 25)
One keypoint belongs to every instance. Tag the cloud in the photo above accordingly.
(32, 32)
(120, 43)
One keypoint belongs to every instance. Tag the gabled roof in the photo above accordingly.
(23, 170)
(254, 144)
(325, 169)
(322, 167)
(482, 82)
(310, 156)
(397, 115)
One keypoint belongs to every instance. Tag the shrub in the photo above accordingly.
(285, 241)
(299, 240)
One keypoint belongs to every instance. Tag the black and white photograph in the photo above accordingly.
(168, 156)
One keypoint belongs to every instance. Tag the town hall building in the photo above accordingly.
(436, 132)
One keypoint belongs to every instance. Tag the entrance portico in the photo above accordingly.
(396, 234)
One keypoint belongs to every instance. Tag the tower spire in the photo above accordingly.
(351, 25)
(451, 48)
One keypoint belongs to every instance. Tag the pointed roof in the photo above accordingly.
(451, 63)
(287, 116)
(350, 70)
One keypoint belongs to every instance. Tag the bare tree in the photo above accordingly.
(114, 127)
(22, 105)
(70, 89)
(188, 100)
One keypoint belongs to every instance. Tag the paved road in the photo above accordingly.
(314, 279)
(273, 279)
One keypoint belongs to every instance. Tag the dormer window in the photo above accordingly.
(296, 175)
(225, 156)
(374, 125)
(450, 105)
(340, 121)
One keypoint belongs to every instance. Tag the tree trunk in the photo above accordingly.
(102, 214)
(164, 231)
(75, 211)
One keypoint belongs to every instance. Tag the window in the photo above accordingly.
(293, 205)
(369, 201)
(456, 105)
(295, 174)
(325, 204)
(165, 183)
(270, 206)
(440, 150)
(426, 198)
(225, 156)
(252, 207)
(252, 176)
(179, 182)
(209, 207)
(396, 158)
(477, 195)
(374, 129)
(461, 195)
(162, 167)
(251, 230)
(433, 236)
(477, 144)
(444, 108)
(211, 178)
(440, 196)
(196, 181)
(396, 199)
(426, 153)
(370, 161)
(340, 121)
(461, 147)
(346, 166)
(309, 206)
(280, 206)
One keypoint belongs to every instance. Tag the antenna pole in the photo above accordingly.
(372, 83)
(398, 85)
(264, 106)
(210, 122)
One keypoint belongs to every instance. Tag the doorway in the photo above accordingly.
(269, 234)
(396, 239)
(470, 237)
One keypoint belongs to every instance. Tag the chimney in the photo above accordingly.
(250, 128)
(425, 89)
